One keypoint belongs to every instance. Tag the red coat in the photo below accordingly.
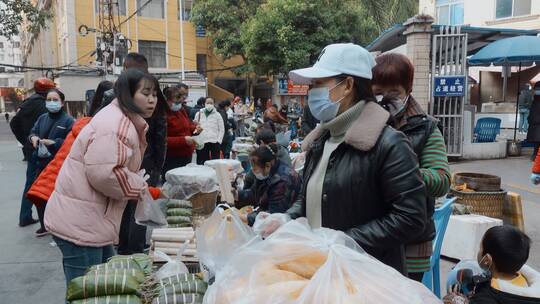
(179, 125)
(536, 165)
(43, 186)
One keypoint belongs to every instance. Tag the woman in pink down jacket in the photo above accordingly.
(100, 174)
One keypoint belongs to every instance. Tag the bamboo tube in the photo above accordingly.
(174, 251)
(173, 245)
(172, 238)
(179, 229)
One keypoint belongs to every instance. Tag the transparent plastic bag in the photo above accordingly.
(220, 237)
(173, 266)
(299, 265)
(182, 183)
(349, 277)
(265, 223)
(149, 212)
(43, 152)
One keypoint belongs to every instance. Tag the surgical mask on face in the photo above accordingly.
(320, 104)
(379, 98)
(209, 107)
(176, 107)
(53, 106)
(395, 106)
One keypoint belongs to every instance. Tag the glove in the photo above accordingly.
(142, 173)
(535, 178)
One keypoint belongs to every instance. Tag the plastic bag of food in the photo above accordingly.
(299, 265)
(265, 223)
(348, 277)
(172, 267)
(101, 285)
(220, 236)
(184, 182)
(148, 212)
(115, 299)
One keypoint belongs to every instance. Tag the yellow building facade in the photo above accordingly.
(153, 31)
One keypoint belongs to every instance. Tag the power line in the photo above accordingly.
(135, 12)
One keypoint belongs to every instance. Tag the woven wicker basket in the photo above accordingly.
(484, 203)
(204, 203)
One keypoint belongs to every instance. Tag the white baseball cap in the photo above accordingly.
(337, 59)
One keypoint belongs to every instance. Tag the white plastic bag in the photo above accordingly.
(265, 224)
(349, 277)
(172, 267)
(182, 183)
(299, 265)
(43, 151)
(220, 237)
(149, 212)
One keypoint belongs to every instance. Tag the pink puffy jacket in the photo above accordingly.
(98, 177)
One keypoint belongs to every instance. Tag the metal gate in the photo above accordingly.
(449, 58)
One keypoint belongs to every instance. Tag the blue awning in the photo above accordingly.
(510, 51)
(478, 37)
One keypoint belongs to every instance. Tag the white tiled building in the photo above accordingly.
(10, 53)
(516, 14)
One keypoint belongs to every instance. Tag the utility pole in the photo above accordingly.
(181, 8)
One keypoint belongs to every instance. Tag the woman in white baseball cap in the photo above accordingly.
(360, 176)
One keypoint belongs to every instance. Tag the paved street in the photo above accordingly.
(31, 270)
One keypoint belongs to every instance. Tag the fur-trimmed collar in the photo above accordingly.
(363, 133)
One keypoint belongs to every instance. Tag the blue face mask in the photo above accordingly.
(53, 106)
(320, 104)
(176, 107)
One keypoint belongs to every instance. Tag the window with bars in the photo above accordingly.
(119, 7)
(154, 9)
(155, 53)
(512, 8)
(450, 12)
(187, 5)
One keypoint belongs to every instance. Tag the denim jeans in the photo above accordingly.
(25, 214)
(77, 259)
(523, 120)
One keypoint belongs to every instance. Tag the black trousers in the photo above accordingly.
(416, 276)
(210, 151)
(132, 237)
(173, 162)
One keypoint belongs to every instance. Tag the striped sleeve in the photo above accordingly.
(434, 165)
(105, 163)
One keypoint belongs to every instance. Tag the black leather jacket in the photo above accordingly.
(375, 195)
